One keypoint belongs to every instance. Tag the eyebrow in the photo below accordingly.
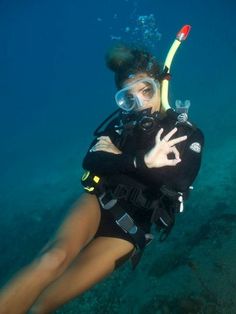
(141, 89)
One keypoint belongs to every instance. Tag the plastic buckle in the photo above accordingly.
(121, 191)
(107, 204)
(134, 195)
(149, 237)
(127, 224)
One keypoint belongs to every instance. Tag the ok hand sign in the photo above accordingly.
(157, 156)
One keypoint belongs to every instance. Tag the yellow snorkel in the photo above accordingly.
(181, 36)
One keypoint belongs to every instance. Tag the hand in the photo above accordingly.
(105, 144)
(157, 156)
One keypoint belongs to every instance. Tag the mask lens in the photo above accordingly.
(147, 92)
(133, 96)
(125, 100)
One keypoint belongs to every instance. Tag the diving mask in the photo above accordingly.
(136, 94)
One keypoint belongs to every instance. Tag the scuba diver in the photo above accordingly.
(138, 172)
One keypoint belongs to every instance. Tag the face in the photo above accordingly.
(146, 93)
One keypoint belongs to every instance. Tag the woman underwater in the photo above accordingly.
(139, 170)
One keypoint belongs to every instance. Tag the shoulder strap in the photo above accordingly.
(98, 130)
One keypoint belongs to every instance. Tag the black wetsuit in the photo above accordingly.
(120, 168)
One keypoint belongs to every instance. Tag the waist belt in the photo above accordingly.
(135, 196)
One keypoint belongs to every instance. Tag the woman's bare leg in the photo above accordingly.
(76, 231)
(93, 264)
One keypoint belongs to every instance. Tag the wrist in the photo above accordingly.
(139, 162)
(146, 161)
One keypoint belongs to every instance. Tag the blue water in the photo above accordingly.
(54, 91)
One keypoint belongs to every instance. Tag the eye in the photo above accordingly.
(147, 92)
(129, 97)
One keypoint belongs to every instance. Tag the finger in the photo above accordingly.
(96, 147)
(158, 136)
(177, 140)
(105, 138)
(92, 149)
(100, 146)
(105, 147)
(169, 135)
(104, 142)
(172, 162)
(107, 150)
(175, 151)
(101, 141)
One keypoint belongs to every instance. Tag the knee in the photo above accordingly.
(53, 261)
(53, 258)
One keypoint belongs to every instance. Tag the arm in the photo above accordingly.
(192, 157)
(104, 162)
(111, 160)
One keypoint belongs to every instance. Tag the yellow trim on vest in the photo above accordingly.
(96, 179)
(89, 189)
(85, 175)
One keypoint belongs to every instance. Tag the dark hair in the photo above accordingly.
(125, 61)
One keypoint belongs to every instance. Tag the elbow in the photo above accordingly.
(93, 164)
(87, 163)
(84, 164)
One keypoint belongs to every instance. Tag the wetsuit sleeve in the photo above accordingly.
(186, 171)
(104, 163)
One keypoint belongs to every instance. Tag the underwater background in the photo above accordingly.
(55, 90)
